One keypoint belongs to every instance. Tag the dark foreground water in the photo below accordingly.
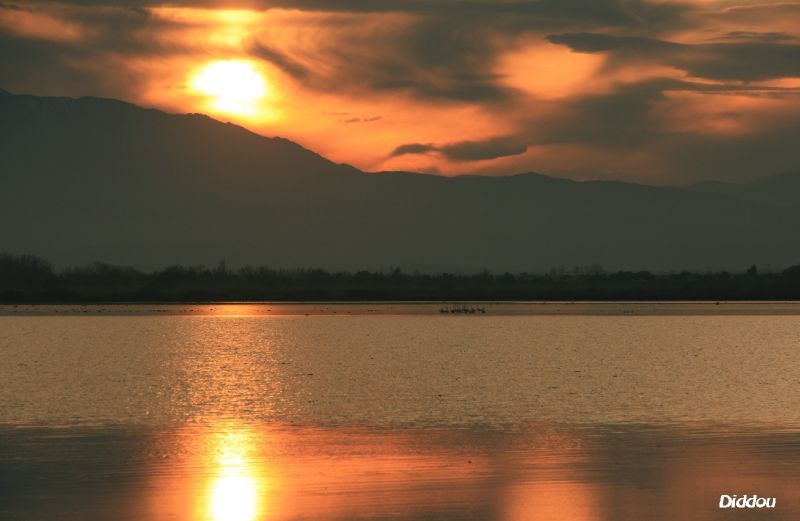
(338, 413)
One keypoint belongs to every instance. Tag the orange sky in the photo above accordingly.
(654, 91)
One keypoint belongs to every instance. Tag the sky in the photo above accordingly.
(658, 92)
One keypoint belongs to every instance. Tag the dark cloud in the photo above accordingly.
(78, 65)
(56, 68)
(528, 14)
(769, 37)
(427, 59)
(625, 119)
(351, 121)
(483, 150)
(125, 29)
(492, 148)
(757, 12)
(280, 60)
(619, 120)
(543, 13)
(746, 61)
(629, 131)
(591, 43)
(413, 148)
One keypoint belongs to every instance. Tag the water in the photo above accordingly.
(283, 412)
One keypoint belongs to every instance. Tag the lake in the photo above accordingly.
(535, 411)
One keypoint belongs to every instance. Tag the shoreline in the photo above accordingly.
(438, 308)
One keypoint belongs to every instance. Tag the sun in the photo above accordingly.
(235, 87)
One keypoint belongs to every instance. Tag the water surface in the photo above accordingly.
(239, 413)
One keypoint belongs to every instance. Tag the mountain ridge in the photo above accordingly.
(793, 176)
(780, 189)
(85, 179)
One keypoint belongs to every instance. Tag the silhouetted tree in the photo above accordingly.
(30, 278)
(792, 272)
(24, 269)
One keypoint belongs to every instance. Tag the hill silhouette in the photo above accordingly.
(87, 179)
(780, 190)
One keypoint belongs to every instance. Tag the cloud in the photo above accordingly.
(542, 13)
(350, 121)
(421, 57)
(414, 148)
(483, 150)
(757, 12)
(427, 49)
(279, 59)
(627, 118)
(768, 37)
(744, 61)
(467, 151)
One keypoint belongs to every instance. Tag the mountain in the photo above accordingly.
(780, 190)
(97, 179)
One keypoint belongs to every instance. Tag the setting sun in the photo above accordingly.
(236, 87)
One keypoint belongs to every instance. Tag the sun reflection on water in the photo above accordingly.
(235, 492)
(234, 498)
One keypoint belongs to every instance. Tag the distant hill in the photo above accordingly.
(96, 179)
(781, 190)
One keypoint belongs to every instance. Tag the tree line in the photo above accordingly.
(28, 278)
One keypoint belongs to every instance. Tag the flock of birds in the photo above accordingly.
(463, 310)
